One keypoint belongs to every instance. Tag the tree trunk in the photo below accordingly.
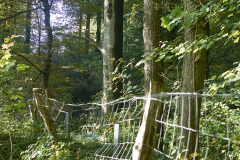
(118, 47)
(99, 23)
(28, 28)
(193, 75)
(153, 73)
(48, 61)
(44, 112)
(112, 46)
(39, 23)
(87, 33)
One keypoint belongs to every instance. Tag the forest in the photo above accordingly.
(166, 71)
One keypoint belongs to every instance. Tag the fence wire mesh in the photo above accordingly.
(217, 135)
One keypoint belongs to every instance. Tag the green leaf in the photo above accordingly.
(15, 97)
(6, 108)
(165, 22)
(20, 105)
(141, 62)
(176, 12)
(21, 67)
(213, 77)
(9, 65)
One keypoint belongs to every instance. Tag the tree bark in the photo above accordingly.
(48, 101)
(32, 110)
(44, 112)
(99, 23)
(87, 32)
(118, 47)
(80, 25)
(48, 61)
(112, 46)
(39, 23)
(28, 28)
(193, 76)
(153, 73)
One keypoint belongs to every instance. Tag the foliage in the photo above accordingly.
(11, 96)
(45, 148)
(77, 76)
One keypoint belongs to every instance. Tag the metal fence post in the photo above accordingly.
(116, 140)
(67, 125)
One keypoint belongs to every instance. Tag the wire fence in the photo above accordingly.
(217, 135)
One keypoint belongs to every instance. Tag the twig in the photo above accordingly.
(4, 19)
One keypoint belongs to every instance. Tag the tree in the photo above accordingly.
(146, 138)
(112, 46)
(193, 76)
(111, 49)
(47, 65)
(28, 27)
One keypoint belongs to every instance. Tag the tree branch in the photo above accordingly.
(83, 38)
(12, 16)
(20, 55)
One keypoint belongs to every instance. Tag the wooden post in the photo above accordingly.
(44, 112)
(116, 139)
(48, 101)
(32, 110)
(147, 138)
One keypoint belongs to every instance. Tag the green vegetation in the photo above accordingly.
(34, 55)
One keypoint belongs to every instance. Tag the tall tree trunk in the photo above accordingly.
(112, 50)
(80, 26)
(146, 138)
(99, 22)
(48, 61)
(28, 28)
(39, 23)
(87, 33)
(118, 48)
(193, 75)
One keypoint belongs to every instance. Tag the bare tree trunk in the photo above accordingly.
(28, 28)
(193, 76)
(118, 47)
(39, 23)
(48, 61)
(153, 73)
(99, 22)
(44, 112)
(111, 49)
(87, 33)
(80, 26)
